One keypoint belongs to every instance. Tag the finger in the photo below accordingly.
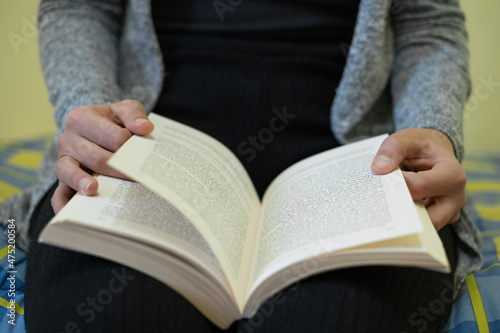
(62, 195)
(412, 147)
(89, 155)
(132, 115)
(455, 217)
(391, 153)
(94, 127)
(69, 171)
(441, 180)
(443, 212)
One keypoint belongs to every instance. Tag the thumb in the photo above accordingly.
(389, 156)
(133, 116)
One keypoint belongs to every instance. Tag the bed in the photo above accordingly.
(477, 308)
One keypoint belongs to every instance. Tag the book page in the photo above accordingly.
(331, 201)
(131, 211)
(200, 177)
(134, 203)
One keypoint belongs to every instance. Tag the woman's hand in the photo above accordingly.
(433, 173)
(91, 135)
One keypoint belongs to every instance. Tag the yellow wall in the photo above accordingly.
(26, 111)
(482, 113)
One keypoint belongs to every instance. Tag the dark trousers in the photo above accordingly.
(233, 90)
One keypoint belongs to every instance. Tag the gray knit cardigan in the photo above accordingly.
(407, 66)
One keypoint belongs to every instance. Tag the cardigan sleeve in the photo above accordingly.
(78, 52)
(79, 43)
(92, 52)
(430, 80)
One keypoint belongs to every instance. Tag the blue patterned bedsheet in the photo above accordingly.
(478, 306)
(18, 164)
(12, 274)
(476, 310)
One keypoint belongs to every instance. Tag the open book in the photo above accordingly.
(194, 221)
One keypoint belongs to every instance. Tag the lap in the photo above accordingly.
(67, 291)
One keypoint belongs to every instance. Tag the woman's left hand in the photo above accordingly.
(430, 169)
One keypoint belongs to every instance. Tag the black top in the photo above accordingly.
(259, 18)
(262, 81)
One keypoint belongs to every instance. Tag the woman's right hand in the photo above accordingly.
(92, 134)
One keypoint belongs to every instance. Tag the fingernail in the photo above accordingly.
(142, 120)
(84, 185)
(382, 161)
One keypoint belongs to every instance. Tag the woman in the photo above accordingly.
(228, 65)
